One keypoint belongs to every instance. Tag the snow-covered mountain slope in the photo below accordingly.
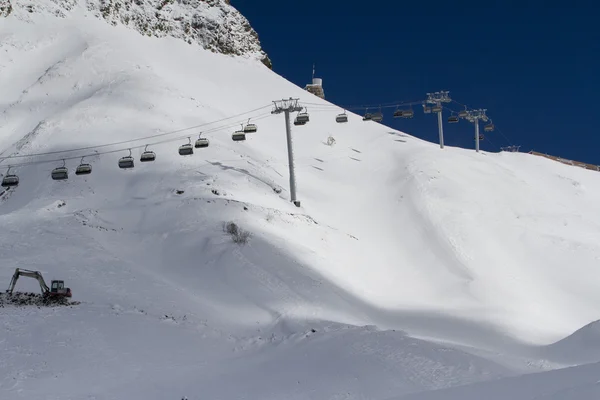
(466, 263)
(576, 383)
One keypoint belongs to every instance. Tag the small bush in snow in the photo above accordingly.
(238, 235)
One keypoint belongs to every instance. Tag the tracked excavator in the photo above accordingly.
(57, 288)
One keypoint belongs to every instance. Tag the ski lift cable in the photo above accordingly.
(134, 140)
(143, 146)
(359, 107)
(29, 163)
(503, 135)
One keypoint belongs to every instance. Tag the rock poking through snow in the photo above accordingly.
(21, 299)
(213, 24)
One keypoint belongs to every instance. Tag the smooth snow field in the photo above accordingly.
(408, 272)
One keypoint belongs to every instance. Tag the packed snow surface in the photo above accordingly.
(407, 268)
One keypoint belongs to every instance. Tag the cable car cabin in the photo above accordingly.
(452, 119)
(463, 114)
(489, 128)
(186, 150)
(60, 174)
(341, 118)
(436, 109)
(148, 156)
(83, 169)
(408, 114)
(238, 136)
(250, 128)
(10, 180)
(377, 117)
(298, 123)
(303, 117)
(368, 117)
(126, 162)
(202, 142)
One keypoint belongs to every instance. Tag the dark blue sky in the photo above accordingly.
(533, 65)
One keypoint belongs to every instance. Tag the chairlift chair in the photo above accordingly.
(250, 128)
(368, 117)
(147, 155)
(238, 136)
(341, 118)
(201, 142)
(489, 127)
(481, 137)
(60, 173)
(463, 114)
(452, 119)
(186, 149)
(398, 113)
(126, 162)
(436, 109)
(408, 113)
(426, 110)
(377, 117)
(10, 180)
(298, 123)
(303, 117)
(83, 168)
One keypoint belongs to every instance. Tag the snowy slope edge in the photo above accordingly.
(213, 24)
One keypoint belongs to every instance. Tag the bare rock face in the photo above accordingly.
(213, 24)
(5, 8)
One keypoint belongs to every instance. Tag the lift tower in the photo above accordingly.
(436, 99)
(286, 107)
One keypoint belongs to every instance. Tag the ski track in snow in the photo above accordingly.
(408, 271)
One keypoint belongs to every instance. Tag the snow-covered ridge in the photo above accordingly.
(213, 24)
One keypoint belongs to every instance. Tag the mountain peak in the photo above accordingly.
(213, 24)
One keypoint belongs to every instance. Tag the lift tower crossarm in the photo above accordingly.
(30, 274)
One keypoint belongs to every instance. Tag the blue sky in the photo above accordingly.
(533, 65)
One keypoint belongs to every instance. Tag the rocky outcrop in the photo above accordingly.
(5, 8)
(213, 24)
